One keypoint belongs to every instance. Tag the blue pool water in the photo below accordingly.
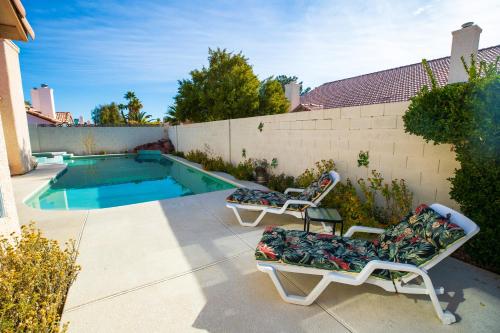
(100, 182)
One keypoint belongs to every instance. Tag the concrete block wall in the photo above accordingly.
(300, 139)
(102, 139)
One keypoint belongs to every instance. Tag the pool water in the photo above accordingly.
(100, 182)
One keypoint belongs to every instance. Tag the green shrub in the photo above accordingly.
(346, 200)
(196, 156)
(216, 164)
(244, 170)
(178, 154)
(396, 197)
(35, 275)
(310, 175)
(280, 182)
(467, 116)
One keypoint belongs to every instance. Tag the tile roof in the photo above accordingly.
(391, 85)
(38, 114)
(64, 117)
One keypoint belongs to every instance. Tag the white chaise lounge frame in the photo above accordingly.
(356, 279)
(281, 210)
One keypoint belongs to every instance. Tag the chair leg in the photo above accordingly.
(446, 316)
(248, 224)
(295, 299)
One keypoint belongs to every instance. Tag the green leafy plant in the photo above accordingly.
(310, 175)
(178, 154)
(280, 182)
(363, 159)
(35, 275)
(216, 164)
(244, 170)
(396, 197)
(197, 156)
(467, 116)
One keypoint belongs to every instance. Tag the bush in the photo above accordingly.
(197, 156)
(280, 182)
(467, 116)
(216, 164)
(243, 171)
(35, 275)
(178, 154)
(396, 197)
(310, 175)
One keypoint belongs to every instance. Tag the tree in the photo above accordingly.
(272, 98)
(133, 106)
(107, 114)
(140, 118)
(228, 88)
(284, 80)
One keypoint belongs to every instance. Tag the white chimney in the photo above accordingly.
(465, 42)
(43, 99)
(292, 93)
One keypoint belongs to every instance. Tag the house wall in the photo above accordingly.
(12, 109)
(32, 120)
(86, 140)
(300, 139)
(9, 222)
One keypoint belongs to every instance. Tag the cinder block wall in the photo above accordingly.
(299, 139)
(102, 139)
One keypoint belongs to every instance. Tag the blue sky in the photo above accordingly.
(92, 52)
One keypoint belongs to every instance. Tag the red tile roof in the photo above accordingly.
(38, 114)
(391, 85)
(64, 117)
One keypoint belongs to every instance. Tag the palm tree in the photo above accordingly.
(134, 105)
(140, 118)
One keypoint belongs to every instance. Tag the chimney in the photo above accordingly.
(42, 99)
(292, 93)
(465, 42)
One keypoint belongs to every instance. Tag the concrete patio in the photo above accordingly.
(185, 264)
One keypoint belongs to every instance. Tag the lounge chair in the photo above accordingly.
(400, 254)
(281, 203)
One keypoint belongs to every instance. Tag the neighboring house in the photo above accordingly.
(387, 86)
(44, 110)
(35, 117)
(64, 118)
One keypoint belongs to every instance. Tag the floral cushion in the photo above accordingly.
(277, 199)
(415, 240)
(436, 229)
(424, 224)
(272, 244)
(325, 251)
(313, 191)
(258, 197)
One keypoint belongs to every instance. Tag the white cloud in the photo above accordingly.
(157, 43)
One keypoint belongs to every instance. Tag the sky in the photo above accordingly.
(92, 52)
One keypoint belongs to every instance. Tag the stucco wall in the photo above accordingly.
(86, 140)
(32, 120)
(9, 223)
(12, 110)
(299, 139)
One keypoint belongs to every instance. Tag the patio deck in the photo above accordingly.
(185, 264)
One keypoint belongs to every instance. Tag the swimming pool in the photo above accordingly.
(108, 181)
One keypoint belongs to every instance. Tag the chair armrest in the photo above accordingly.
(296, 202)
(292, 189)
(358, 228)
